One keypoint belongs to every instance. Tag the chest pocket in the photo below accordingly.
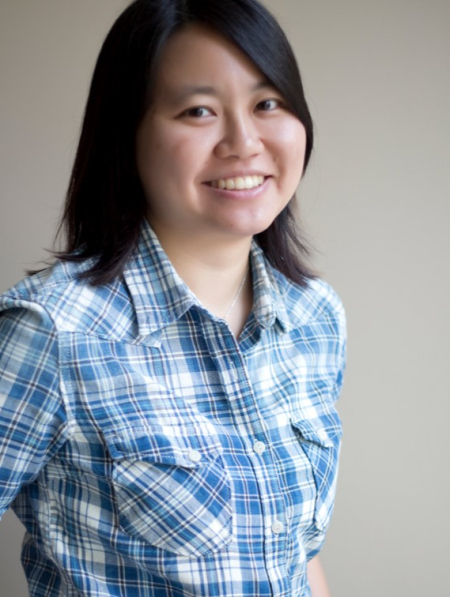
(320, 440)
(172, 491)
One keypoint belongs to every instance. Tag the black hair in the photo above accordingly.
(105, 203)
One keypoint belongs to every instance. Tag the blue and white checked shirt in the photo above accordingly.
(151, 454)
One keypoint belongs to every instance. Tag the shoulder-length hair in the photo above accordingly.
(105, 203)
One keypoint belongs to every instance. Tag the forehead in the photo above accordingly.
(198, 57)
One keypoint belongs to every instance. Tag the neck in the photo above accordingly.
(214, 271)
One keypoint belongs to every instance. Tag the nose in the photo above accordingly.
(240, 138)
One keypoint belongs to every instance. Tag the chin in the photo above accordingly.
(250, 226)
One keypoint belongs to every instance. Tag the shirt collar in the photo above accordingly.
(160, 296)
(269, 287)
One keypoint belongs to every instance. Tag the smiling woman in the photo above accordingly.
(167, 386)
(219, 153)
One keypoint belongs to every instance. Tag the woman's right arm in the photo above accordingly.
(33, 421)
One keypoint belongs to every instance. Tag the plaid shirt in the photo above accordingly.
(148, 452)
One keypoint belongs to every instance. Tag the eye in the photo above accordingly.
(197, 112)
(268, 105)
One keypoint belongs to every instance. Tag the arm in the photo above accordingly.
(32, 419)
(316, 579)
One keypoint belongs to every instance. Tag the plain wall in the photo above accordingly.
(376, 204)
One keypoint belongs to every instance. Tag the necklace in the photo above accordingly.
(241, 286)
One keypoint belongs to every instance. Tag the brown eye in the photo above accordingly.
(198, 112)
(268, 105)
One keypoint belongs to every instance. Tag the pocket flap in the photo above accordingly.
(163, 446)
(325, 430)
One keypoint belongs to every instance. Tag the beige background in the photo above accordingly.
(376, 203)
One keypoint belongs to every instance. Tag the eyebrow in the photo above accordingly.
(187, 91)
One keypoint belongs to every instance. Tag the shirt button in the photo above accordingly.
(194, 456)
(278, 527)
(259, 447)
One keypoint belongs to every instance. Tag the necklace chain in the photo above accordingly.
(241, 286)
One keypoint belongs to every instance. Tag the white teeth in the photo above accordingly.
(239, 183)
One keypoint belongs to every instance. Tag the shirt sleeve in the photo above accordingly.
(33, 419)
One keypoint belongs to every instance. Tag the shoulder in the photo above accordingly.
(71, 303)
(315, 319)
(317, 301)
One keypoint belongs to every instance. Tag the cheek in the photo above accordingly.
(295, 140)
(157, 161)
(179, 156)
(290, 149)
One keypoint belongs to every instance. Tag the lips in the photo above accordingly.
(238, 183)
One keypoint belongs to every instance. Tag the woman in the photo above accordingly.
(167, 387)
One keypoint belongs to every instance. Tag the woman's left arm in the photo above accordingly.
(316, 579)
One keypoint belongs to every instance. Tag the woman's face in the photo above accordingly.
(218, 154)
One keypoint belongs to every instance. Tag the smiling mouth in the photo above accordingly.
(239, 183)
